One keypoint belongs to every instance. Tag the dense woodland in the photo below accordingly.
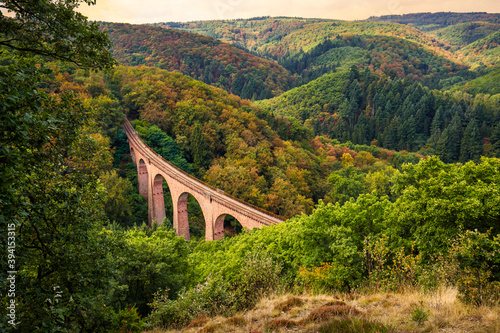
(200, 57)
(376, 143)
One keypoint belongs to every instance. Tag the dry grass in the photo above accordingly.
(319, 313)
(326, 312)
(200, 321)
(237, 320)
(289, 303)
(282, 322)
(446, 313)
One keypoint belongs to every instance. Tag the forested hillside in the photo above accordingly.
(463, 34)
(459, 30)
(200, 57)
(396, 114)
(309, 48)
(434, 21)
(383, 158)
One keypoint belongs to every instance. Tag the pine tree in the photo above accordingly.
(355, 94)
(437, 121)
(471, 143)
(495, 140)
(199, 148)
(392, 136)
(408, 134)
(442, 147)
(454, 137)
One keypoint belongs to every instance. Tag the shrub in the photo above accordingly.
(389, 269)
(212, 297)
(259, 276)
(419, 315)
(128, 321)
(477, 256)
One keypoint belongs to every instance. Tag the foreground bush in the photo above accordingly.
(212, 297)
(216, 295)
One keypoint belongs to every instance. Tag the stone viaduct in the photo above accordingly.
(152, 169)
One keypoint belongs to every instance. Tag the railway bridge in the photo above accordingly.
(152, 169)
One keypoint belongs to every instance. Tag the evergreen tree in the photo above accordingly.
(238, 83)
(471, 143)
(408, 134)
(495, 140)
(355, 94)
(347, 112)
(442, 147)
(342, 131)
(455, 137)
(199, 148)
(437, 121)
(392, 136)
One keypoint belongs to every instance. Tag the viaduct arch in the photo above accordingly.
(152, 169)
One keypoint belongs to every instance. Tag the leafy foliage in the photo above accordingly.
(52, 198)
(478, 255)
(55, 30)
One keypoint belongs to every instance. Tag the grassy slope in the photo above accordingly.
(372, 312)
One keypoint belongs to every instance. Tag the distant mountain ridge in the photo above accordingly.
(433, 21)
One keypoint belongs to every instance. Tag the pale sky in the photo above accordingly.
(150, 11)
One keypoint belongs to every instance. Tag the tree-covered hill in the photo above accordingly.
(396, 114)
(462, 34)
(483, 52)
(434, 21)
(198, 56)
(309, 48)
(486, 84)
(274, 36)
(363, 218)
(458, 31)
(249, 34)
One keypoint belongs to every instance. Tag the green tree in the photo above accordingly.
(471, 146)
(441, 149)
(49, 192)
(347, 183)
(477, 255)
(437, 200)
(54, 204)
(199, 148)
(150, 261)
(54, 29)
(454, 137)
(117, 205)
(495, 138)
